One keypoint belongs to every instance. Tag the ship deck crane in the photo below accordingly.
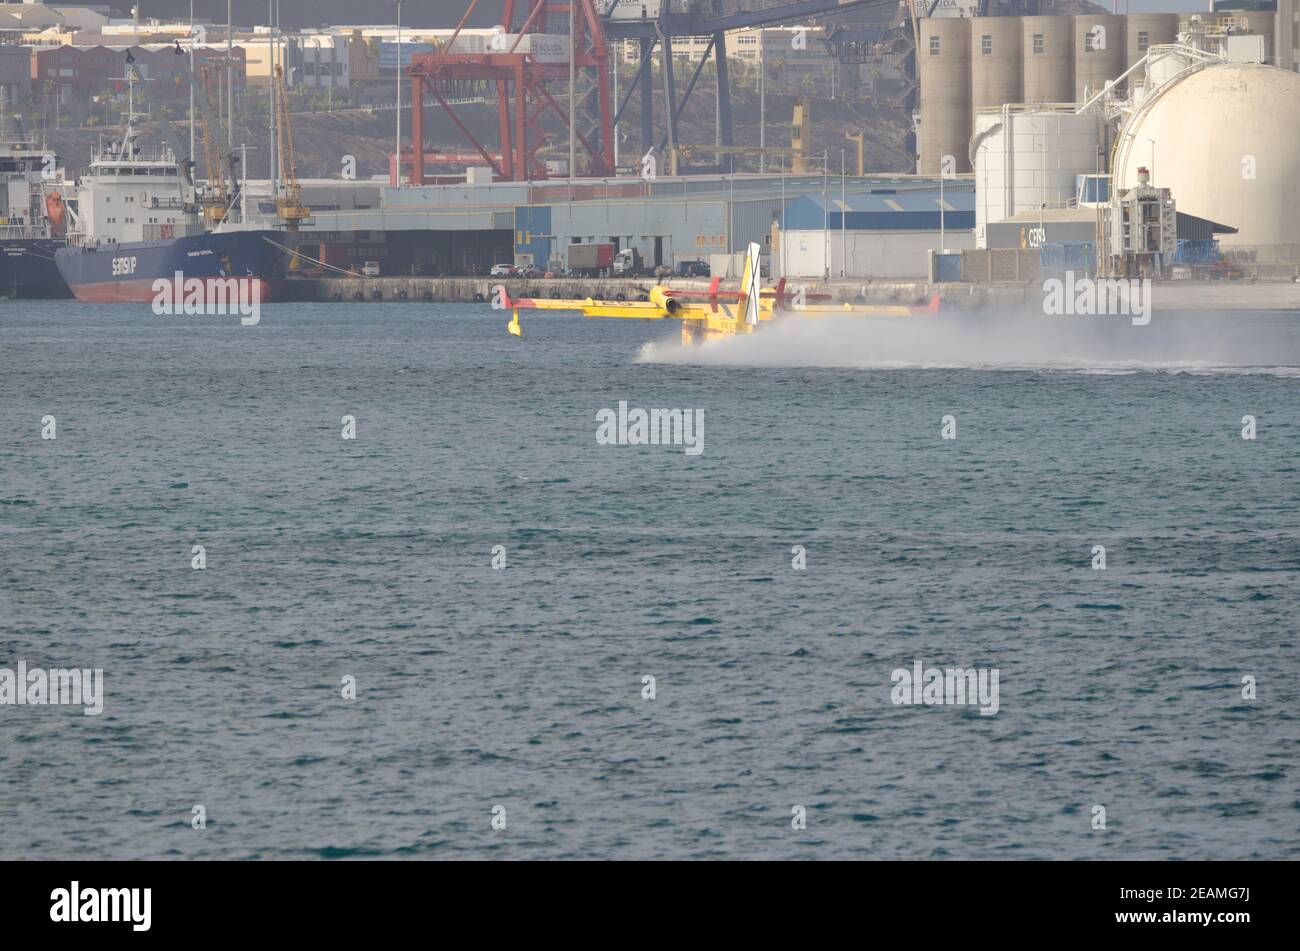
(219, 164)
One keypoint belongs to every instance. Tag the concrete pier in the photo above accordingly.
(480, 289)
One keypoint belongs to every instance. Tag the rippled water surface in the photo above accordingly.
(522, 688)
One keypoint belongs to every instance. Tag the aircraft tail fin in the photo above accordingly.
(751, 284)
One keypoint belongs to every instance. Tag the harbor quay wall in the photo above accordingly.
(470, 290)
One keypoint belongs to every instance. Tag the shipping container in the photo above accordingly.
(590, 259)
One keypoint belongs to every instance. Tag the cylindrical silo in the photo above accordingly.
(1165, 66)
(944, 73)
(1098, 52)
(1048, 48)
(996, 71)
(1142, 31)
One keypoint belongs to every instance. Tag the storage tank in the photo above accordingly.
(1025, 159)
(997, 70)
(1048, 56)
(1165, 66)
(1222, 140)
(1142, 31)
(1098, 52)
(944, 72)
(1263, 23)
(1284, 47)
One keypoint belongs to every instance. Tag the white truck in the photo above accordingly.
(628, 263)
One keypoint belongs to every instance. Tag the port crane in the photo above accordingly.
(690, 18)
(288, 203)
(223, 186)
(521, 75)
(521, 62)
(798, 152)
(219, 164)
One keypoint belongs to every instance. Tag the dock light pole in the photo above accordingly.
(230, 74)
(573, 79)
(762, 102)
(826, 218)
(784, 224)
(844, 240)
(274, 175)
(191, 155)
(398, 159)
(942, 239)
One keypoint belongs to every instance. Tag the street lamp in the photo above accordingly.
(844, 207)
(826, 216)
(942, 206)
(398, 158)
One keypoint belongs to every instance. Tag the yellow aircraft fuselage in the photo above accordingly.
(712, 319)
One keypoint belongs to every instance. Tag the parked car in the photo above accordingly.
(370, 269)
(502, 270)
(528, 270)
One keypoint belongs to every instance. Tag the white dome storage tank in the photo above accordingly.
(1028, 158)
(1222, 139)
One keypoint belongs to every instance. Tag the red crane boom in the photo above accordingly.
(521, 65)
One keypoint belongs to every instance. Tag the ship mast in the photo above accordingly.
(125, 152)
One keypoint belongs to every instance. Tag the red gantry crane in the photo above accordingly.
(522, 63)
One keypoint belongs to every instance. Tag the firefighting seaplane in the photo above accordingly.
(715, 314)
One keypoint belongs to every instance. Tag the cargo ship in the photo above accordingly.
(129, 271)
(30, 219)
(140, 220)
